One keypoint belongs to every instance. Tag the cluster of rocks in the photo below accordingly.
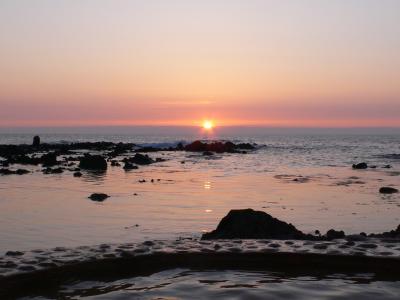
(251, 224)
(364, 165)
(218, 147)
(33, 155)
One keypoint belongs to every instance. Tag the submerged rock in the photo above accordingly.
(93, 162)
(388, 190)
(360, 166)
(98, 197)
(251, 224)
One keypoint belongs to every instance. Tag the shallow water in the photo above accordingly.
(45, 211)
(231, 284)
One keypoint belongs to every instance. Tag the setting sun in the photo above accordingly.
(208, 124)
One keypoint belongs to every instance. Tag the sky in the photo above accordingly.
(299, 63)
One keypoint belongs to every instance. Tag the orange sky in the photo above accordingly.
(272, 63)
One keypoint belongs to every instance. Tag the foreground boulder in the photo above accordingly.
(251, 224)
(98, 197)
(93, 162)
(388, 190)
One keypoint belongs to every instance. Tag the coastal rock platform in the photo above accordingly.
(43, 268)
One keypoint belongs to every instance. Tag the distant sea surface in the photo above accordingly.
(38, 210)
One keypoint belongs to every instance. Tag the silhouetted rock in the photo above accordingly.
(251, 224)
(129, 166)
(141, 159)
(387, 167)
(21, 172)
(334, 234)
(98, 197)
(217, 146)
(52, 171)
(115, 163)
(388, 190)
(93, 162)
(14, 253)
(4, 171)
(49, 159)
(246, 146)
(36, 141)
(77, 174)
(208, 153)
(389, 234)
(360, 166)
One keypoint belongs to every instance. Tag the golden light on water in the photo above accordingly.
(208, 124)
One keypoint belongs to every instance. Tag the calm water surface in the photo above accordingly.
(193, 284)
(38, 211)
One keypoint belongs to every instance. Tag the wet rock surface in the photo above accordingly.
(16, 262)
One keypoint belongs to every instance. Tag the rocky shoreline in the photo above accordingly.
(281, 241)
(98, 156)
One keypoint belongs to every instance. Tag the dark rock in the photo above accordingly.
(387, 167)
(21, 172)
(115, 163)
(389, 234)
(5, 171)
(141, 159)
(217, 146)
(49, 159)
(77, 174)
(129, 166)
(36, 141)
(250, 224)
(10, 172)
(368, 246)
(53, 171)
(14, 253)
(26, 268)
(360, 166)
(93, 162)
(208, 153)
(246, 146)
(388, 190)
(334, 234)
(98, 197)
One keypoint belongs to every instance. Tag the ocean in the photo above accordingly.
(302, 176)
